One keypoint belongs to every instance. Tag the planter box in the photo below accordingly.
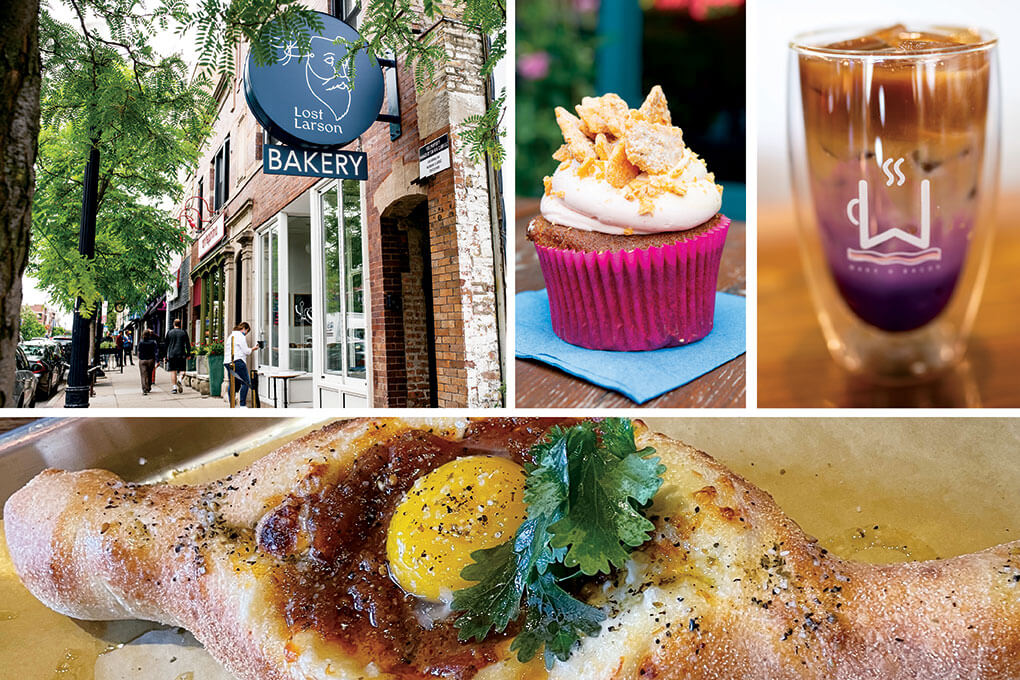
(202, 365)
(215, 375)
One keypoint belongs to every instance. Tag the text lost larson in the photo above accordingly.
(286, 160)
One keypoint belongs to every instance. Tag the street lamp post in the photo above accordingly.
(77, 393)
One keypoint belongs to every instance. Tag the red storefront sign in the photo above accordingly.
(210, 237)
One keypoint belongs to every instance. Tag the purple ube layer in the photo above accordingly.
(895, 297)
(635, 300)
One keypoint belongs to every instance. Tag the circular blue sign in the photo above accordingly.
(309, 99)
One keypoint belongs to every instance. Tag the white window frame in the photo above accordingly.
(279, 223)
(360, 387)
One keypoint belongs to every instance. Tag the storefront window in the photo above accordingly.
(344, 294)
(209, 286)
(270, 331)
(216, 332)
(354, 280)
(299, 271)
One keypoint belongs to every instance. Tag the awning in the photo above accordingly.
(183, 287)
(157, 305)
(213, 258)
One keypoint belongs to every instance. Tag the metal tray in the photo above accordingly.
(137, 449)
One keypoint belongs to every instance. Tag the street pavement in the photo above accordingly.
(124, 390)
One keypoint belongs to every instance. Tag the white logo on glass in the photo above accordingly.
(922, 241)
(326, 82)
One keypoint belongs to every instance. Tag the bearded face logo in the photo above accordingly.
(302, 92)
(327, 79)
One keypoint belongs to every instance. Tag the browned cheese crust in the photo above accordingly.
(761, 600)
(544, 233)
(729, 587)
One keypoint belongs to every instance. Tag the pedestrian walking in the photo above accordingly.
(148, 353)
(129, 346)
(120, 349)
(178, 346)
(237, 350)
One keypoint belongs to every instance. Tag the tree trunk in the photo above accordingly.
(19, 135)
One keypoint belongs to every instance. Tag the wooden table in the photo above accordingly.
(540, 385)
(795, 369)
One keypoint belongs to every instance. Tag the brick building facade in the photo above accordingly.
(386, 292)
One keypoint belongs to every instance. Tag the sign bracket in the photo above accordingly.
(392, 115)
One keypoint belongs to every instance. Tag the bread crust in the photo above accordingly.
(729, 587)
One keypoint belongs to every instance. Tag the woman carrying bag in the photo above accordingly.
(148, 355)
(237, 350)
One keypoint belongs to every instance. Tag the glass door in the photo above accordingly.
(269, 296)
(344, 331)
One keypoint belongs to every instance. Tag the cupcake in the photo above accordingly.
(630, 235)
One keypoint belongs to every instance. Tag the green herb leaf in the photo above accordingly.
(548, 485)
(496, 599)
(555, 622)
(610, 482)
(585, 490)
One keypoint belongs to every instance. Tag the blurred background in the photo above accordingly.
(780, 20)
(694, 49)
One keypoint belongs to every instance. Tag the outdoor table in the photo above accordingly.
(285, 377)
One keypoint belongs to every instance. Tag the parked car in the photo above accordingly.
(47, 363)
(65, 345)
(64, 363)
(25, 381)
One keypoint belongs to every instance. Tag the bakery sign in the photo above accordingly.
(211, 236)
(309, 99)
(278, 159)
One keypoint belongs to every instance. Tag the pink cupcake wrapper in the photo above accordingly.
(635, 300)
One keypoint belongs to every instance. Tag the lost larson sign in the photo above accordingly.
(286, 160)
(310, 99)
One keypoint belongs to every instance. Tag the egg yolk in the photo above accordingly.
(468, 504)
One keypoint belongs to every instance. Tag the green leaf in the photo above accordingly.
(547, 488)
(608, 485)
(555, 622)
(496, 600)
(584, 492)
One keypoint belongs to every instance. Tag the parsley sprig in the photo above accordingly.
(585, 493)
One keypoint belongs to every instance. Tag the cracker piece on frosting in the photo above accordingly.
(619, 170)
(603, 147)
(655, 109)
(577, 142)
(654, 148)
(606, 114)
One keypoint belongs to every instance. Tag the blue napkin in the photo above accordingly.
(638, 375)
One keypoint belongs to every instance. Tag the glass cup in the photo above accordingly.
(894, 152)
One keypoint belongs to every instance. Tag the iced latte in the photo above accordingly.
(894, 147)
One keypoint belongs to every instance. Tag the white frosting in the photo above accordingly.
(595, 205)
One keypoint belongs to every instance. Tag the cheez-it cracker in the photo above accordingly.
(605, 114)
(620, 171)
(577, 142)
(637, 150)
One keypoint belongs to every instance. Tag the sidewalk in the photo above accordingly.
(124, 390)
